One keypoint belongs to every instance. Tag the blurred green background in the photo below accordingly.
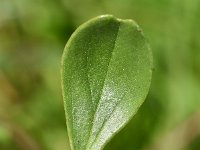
(33, 34)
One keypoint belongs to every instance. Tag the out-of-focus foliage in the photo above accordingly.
(32, 37)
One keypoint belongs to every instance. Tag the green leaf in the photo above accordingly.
(106, 74)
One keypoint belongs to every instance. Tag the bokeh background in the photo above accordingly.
(33, 34)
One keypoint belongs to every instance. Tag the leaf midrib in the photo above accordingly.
(88, 145)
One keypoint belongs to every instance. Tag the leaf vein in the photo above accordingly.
(87, 146)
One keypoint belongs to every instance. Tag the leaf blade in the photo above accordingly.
(97, 61)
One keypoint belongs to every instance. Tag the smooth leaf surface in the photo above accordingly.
(106, 74)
